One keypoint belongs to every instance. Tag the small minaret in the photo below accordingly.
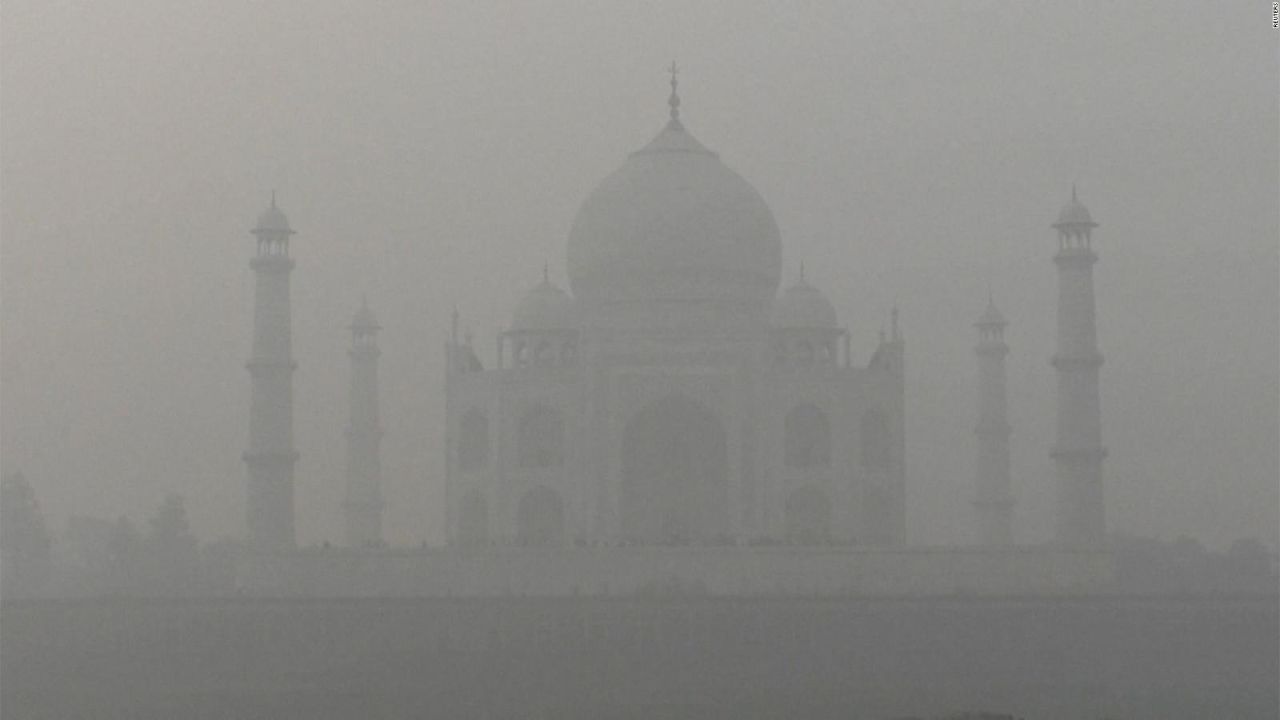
(1078, 451)
(362, 508)
(271, 457)
(993, 497)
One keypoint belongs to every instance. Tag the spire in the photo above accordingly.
(453, 325)
(801, 273)
(894, 332)
(1074, 213)
(546, 280)
(273, 198)
(674, 100)
(991, 317)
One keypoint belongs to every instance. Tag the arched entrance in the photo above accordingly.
(540, 518)
(807, 441)
(808, 517)
(674, 474)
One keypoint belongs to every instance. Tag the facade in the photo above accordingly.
(1078, 451)
(271, 457)
(675, 397)
(362, 508)
(993, 493)
(673, 423)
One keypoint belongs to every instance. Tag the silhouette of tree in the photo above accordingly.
(23, 534)
(24, 539)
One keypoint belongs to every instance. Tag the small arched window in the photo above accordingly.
(540, 438)
(473, 441)
(807, 438)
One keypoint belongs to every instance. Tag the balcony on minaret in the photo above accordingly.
(1075, 229)
(991, 327)
(1077, 451)
(364, 331)
(273, 233)
(271, 457)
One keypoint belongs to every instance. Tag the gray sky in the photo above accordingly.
(427, 154)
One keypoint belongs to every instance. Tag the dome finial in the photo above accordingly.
(1074, 199)
(674, 100)
(273, 198)
(545, 279)
(801, 272)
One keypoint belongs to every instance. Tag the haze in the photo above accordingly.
(430, 155)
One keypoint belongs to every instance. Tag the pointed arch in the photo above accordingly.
(806, 438)
(674, 473)
(540, 518)
(540, 438)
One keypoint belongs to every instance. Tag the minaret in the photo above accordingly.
(993, 497)
(363, 506)
(271, 457)
(1078, 452)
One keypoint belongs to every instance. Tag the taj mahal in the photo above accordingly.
(678, 419)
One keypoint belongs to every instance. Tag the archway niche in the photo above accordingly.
(540, 438)
(540, 518)
(808, 516)
(675, 471)
(807, 438)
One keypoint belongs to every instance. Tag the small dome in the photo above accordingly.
(272, 220)
(1074, 213)
(546, 307)
(803, 306)
(992, 315)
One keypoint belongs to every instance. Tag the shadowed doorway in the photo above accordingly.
(674, 474)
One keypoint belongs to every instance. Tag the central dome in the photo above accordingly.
(674, 224)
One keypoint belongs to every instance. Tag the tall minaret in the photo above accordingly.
(1078, 452)
(362, 508)
(271, 457)
(993, 497)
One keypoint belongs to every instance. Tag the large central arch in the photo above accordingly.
(675, 469)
